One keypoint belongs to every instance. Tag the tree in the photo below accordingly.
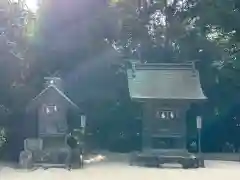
(14, 68)
(14, 49)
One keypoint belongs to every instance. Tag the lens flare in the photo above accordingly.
(32, 5)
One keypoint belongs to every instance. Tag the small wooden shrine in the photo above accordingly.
(48, 118)
(165, 92)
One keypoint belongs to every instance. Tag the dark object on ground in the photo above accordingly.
(72, 142)
(75, 156)
(75, 159)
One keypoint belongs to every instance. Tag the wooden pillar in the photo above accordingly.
(184, 124)
(146, 127)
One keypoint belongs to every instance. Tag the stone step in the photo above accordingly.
(48, 165)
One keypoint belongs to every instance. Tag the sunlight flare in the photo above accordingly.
(32, 5)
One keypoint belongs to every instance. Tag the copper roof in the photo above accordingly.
(164, 81)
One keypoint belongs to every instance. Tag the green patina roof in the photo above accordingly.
(164, 81)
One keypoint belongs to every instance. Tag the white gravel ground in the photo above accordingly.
(215, 170)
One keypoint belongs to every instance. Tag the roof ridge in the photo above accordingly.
(64, 95)
(59, 91)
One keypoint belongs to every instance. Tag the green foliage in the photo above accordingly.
(3, 138)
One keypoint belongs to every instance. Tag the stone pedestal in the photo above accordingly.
(26, 159)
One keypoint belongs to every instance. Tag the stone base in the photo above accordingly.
(201, 162)
(159, 157)
(26, 160)
(47, 165)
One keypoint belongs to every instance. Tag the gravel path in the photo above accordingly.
(120, 170)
